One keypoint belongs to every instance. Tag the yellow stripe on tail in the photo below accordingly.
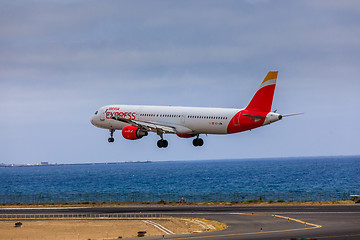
(270, 76)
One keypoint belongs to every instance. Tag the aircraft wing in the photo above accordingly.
(149, 126)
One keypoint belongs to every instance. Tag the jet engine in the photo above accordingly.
(133, 133)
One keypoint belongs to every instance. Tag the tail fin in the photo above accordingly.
(263, 98)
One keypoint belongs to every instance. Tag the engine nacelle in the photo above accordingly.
(133, 133)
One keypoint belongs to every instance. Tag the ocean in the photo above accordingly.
(331, 174)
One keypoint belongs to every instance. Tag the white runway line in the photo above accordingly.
(162, 228)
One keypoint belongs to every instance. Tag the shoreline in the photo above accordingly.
(170, 204)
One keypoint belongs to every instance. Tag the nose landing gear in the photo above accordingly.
(111, 138)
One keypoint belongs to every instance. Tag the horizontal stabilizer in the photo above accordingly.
(255, 117)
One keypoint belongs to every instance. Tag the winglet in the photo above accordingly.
(262, 100)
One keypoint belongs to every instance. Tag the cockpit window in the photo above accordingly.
(96, 112)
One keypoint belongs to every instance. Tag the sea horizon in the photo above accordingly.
(165, 161)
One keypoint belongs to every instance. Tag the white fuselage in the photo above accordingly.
(187, 120)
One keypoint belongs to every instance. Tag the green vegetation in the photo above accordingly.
(162, 202)
(189, 203)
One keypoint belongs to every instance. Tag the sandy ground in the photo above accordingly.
(98, 229)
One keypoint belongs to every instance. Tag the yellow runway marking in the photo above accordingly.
(251, 214)
(278, 216)
(246, 214)
(299, 221)
(263, 232)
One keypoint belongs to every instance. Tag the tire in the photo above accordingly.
(165, 143)
(200, 142)
(160, 143)
(195, 142)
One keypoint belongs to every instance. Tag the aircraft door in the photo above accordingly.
(237, 119)
(182, 118)
(137, 114)
(102, 115)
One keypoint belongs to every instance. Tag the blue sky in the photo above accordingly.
(61, 60)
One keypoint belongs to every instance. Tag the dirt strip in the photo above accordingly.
(99, 229)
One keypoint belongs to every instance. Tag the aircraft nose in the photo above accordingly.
(92, 120)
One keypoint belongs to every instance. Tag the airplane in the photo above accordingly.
(136, 121)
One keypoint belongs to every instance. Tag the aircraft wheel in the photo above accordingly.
(165, 143)
(110, 140)
(162, 143)
(200, 142)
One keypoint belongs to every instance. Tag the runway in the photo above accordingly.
(245, 222)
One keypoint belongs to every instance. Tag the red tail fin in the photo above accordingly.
(262, 100)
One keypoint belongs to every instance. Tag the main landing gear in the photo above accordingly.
(111, 138)
(162, 143)
(198, 141)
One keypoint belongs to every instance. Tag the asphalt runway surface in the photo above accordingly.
(245, 222)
